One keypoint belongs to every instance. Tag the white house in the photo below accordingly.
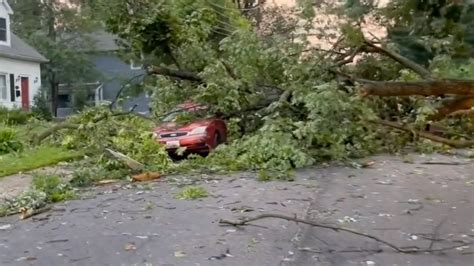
(20, 72)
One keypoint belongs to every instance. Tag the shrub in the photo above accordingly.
(13, 116)
(41, 109)
(9, 141)
(53, 187)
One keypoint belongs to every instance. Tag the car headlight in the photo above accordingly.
(156, 135)
(198, 131)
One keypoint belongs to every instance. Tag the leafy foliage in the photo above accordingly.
(53, 187)
(13, 116)
(130, 135)
(9, 141)
(31, 199)
(192, 193)
(40, 108)
(58, 30)
(46, 189)
(435, 27)
(285, 106)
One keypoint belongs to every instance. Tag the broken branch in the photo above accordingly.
(420, 70)
(50, 131)
(426, 135)
(349, 58)
(453, 106)
(179, 74)
(248, 220)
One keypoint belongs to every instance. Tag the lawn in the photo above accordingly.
(36, 158)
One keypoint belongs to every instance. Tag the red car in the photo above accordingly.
(199, 136)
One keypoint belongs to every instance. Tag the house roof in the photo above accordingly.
(97, 41)
(20, 50)
(104, 41)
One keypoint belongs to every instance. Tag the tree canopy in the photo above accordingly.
(58, 31)
(290, 103)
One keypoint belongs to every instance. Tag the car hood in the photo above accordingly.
(173, 126)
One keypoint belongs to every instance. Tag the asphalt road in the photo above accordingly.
(407, 204)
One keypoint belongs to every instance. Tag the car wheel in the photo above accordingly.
(217, 139)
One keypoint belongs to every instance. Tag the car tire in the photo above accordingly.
(217, 139)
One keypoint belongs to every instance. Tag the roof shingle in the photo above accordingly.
(20, 50)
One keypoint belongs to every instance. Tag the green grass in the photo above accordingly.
(34, 159)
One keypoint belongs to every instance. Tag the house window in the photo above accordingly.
(3, 87)
(3, 29)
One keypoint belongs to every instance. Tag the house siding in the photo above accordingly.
(4, 14)
(18, 68)
(115, 73)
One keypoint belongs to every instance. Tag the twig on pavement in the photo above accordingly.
(410, 250)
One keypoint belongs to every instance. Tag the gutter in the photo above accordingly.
(25, 58)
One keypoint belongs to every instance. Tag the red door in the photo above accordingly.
(25, 94)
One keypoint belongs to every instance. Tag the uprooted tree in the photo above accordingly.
(290, 103)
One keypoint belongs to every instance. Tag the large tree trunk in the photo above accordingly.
(422, 88)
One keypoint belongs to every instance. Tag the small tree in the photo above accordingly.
(41, 107)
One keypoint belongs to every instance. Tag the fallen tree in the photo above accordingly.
(462, 90)
(283, 104)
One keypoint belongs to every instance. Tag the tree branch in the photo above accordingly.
(420, 70)
(350, 57)
(451, 106)
(66, 125)
(179, 74)
(248, 220)
(453, 143)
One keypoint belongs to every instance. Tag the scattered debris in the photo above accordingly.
(57, 241)
(347, 219)
(5, 226)
(242, 209)
(131, 163)
(26, 213)
(386, 182)
(179, 254)
(368, 164)
(130, 247)
(106, 182)
(444, 163)
(222, 256)
(192, 193)
(147, 176)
